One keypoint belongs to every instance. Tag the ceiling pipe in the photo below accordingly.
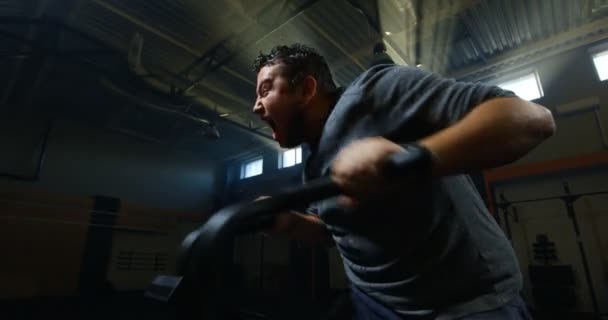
(136, 66)
(210, 129)
(147, 27)
(220, 61)
(72, 56)
(157, 83)
(187, 48)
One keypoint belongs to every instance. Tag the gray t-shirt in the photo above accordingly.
(432, 249)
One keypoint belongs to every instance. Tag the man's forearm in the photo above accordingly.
(497, 132)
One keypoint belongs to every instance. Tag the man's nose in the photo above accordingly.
(257, 107)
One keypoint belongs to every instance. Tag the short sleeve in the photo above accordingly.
(422, 101)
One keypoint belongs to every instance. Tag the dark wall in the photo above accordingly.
(98, 196)
(566, 78)
(82, 160)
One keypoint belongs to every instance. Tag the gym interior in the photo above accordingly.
(127, 124)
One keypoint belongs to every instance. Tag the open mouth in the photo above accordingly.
(272, 125)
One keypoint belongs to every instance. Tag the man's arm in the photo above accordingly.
(497, 132)
(305, 228)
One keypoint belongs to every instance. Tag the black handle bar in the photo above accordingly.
(202, 246)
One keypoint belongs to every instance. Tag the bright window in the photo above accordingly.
(526, 87)
(601, 64)
(290, 157)
(252, 168)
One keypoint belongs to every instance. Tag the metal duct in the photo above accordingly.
(136, 66)
(210, 129)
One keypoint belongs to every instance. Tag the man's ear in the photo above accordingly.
(309, 88)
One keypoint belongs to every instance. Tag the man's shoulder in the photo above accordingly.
(378, 84)
(371, 90)
(375, 74)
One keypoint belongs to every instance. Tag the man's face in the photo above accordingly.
(280, 105)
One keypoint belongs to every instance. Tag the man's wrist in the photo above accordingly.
(428, 158)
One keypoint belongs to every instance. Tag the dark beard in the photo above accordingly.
(295, 133)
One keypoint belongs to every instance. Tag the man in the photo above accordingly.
(423, 247)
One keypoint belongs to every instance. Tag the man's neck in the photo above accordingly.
(320, 110)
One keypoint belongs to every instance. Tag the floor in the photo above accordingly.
(133, 305)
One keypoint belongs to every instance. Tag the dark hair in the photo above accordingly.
(300, 61)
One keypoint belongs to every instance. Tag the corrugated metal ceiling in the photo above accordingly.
(453, 35)
(205, 48)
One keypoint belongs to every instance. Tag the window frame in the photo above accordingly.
(282, 156)
(248, 161)
(513, 77)
(597, 50)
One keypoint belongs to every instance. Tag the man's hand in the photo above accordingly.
(358, 169)
(306, 228)
(281, 222)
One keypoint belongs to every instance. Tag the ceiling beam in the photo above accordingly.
(333, 41)
(425, 16)
(365, 49)
(372, 21)
(222, 53)
(142, 24)
(209, 85)
(431, 16)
